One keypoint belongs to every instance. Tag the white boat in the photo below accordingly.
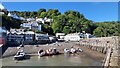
(48, 52)
(80, 50)
(55, 51)
(72, 50)
(20, 55)
(66, 50)
(41, 53)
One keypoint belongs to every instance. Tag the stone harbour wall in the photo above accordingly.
(107, 45)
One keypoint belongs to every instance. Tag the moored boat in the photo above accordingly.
(20, 55)
(66, 50)
(41, 53)
(55, 51)
(49, 52)
(72, 50)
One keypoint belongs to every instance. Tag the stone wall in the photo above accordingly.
(107, 45)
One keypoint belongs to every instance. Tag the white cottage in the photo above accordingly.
(72, 37)
(31, 25)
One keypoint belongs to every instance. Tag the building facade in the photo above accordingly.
(42, 38)
(32, 26)
(18, 36)
(44, 20)
(29, 37)
(72, 37)
(15, 37)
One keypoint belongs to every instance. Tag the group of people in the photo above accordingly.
(72, 50)
(48, 52)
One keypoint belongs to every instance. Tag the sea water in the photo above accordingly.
(58, 60)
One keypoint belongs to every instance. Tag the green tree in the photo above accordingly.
(98, 32)
(43, 15)
(42, 10)
(66, 29)
(56, 27)
(33, 14)
(52, 12)
(9, 22)
(71, 19)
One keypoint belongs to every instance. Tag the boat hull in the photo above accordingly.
(19, 57)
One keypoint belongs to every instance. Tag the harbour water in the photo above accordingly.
(59, 60)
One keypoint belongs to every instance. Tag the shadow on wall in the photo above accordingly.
(2, 50)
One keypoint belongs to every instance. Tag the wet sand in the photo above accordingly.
(86, 58)
(32, 49)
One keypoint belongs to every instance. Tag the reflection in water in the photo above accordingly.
(66, 55)
(59, 60)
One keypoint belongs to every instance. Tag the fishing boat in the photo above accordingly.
(41, 53)
(20, 55)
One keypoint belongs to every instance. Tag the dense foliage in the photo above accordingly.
(9, 22)
(107, 29)
(68, 22)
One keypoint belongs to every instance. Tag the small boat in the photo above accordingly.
(66, 50)
(55, 51)
(20, 55)
(72, 50)
(79, 50)
(41, 53)
(49, 52)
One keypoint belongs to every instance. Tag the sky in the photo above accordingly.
(60, 0)
(95, 11)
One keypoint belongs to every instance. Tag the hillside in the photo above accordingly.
(68, 22)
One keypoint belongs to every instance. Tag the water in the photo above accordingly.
(60, 60)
